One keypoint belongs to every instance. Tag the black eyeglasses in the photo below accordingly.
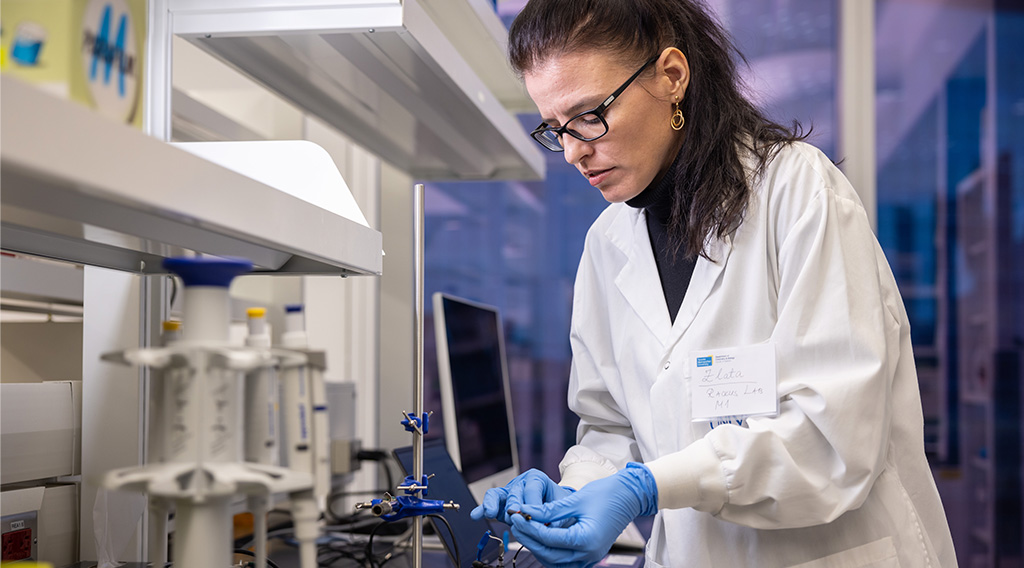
(588, 125)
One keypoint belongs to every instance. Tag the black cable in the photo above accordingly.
(516, 555)
(326, 562)
(337, 548)
(329, 555)
(390, 558)
(174, 292)
(383, 458)
(284, 532)
(245, 552)
(371, 454)
(369, 543)
(458, 557)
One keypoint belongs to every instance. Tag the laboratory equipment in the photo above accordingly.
(448, 484)
(482, 545)
(203, 466)
(261, 396)
(416, 484)
(307, 427)
(476, 402)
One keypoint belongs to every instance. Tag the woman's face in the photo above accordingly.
(640, 143)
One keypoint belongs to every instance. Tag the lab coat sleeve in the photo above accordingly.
(837, 340)
(602, 422)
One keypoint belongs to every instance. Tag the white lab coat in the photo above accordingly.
(839, 477)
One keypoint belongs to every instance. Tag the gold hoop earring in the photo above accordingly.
(678, 120)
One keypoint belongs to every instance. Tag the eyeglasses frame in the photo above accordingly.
(597, 111)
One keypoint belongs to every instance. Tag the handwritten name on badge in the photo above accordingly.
(737, 381)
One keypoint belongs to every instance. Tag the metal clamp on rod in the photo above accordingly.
(417, 422)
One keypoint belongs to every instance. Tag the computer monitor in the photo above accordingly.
(475, 398)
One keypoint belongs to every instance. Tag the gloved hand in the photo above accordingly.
(533, 487)
(602, 510)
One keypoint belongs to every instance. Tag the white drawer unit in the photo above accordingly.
(40, 430)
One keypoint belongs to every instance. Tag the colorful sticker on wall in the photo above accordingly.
(28, 42)
(110, 58)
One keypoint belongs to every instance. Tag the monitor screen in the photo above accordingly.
(475, 400)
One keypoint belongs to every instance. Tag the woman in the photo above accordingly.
(725, 230)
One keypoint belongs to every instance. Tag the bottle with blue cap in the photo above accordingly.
(206, 405)
(207, 305)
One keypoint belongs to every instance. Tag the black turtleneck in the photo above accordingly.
(675, 270)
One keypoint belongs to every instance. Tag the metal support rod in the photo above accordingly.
(417, 392)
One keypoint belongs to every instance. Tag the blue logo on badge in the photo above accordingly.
(704, 361)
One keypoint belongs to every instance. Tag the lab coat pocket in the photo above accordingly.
(878, 554)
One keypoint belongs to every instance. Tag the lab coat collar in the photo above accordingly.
(639, 283)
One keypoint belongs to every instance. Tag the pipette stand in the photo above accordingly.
(203, 467)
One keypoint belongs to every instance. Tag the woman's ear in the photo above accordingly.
(673, 73)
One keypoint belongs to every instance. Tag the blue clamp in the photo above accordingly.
(410, 505)
(483, 544)
(407, 506)
(411, 488)
(417, 424)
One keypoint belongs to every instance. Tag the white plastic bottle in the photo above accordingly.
(296, 397)
(319, 441)
(261, 397)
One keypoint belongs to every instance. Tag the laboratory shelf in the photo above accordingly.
(380, 71)
(81, 188)
(479, 35)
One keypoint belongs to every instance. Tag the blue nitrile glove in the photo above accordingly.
(602, 510)
(533, 487)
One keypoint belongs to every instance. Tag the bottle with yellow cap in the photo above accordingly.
(261, 427)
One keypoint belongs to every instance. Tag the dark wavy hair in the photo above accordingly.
(712, 186)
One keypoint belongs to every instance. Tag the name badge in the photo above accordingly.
(733, 382)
